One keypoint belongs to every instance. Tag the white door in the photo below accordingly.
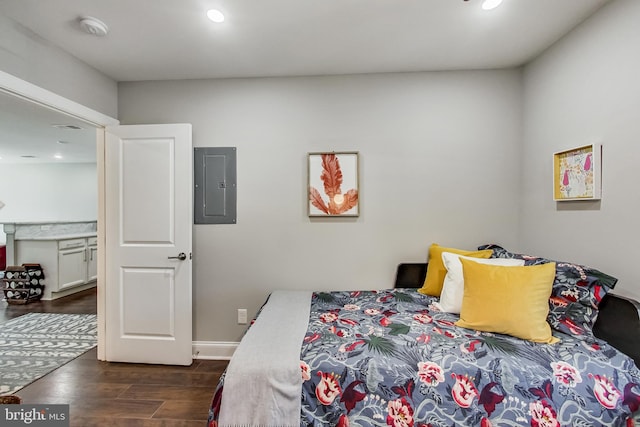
(148, 177)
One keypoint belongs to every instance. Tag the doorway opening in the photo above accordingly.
(18, 89)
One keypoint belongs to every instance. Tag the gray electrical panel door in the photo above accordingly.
(215, 185)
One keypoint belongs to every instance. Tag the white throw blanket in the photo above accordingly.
(263, 383)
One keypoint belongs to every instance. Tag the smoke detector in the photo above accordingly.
(93, 26)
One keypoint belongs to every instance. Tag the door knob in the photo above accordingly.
(181, 256)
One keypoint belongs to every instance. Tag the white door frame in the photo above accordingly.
(17, 87)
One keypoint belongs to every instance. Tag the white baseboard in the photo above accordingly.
(213, 350)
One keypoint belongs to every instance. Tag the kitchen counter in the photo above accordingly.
(17, 231)
(46, 222)
(69, 262)
(59, 236)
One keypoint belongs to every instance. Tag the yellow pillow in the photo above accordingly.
(436, 270)
(508, 300)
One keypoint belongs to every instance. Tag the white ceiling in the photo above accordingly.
(173, 39)
(27, 129)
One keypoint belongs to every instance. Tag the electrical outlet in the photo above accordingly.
(242, 316)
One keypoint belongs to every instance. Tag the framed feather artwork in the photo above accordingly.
(333, 184)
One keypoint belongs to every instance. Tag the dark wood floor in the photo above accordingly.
(120, 394)
(84, 302)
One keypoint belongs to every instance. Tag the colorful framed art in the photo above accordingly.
(577, 173)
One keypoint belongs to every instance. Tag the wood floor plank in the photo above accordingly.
(94, 365)
(136, 373)
(114, 366)
(91, 354)
(83, 302)
(133, 376)
(183, 410)
(114, 408)
(140, 391)
(130, 422)
(217, 366)
(72, 389)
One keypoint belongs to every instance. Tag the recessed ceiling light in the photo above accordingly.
(215, 15)
(57, 156)
(491, 4)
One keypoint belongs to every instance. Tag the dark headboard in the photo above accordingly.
(618, 320)
(618, 323)
(410, 275)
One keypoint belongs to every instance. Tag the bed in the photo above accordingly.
(391, 357)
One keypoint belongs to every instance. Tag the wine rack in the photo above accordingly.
(23, 284)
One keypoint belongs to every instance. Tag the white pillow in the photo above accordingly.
(453, 286)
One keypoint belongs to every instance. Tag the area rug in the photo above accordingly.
(35, 344)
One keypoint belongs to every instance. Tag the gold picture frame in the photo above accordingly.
(577, 173)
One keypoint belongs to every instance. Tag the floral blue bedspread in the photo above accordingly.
(378, 358)
(390, 358)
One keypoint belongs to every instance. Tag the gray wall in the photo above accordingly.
(439, 154)
(28, 56)
(586, 89)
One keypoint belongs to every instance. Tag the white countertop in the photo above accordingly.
(45, 222)
(59, 237)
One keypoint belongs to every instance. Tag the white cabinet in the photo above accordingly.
(68, 264)
(72, 263)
